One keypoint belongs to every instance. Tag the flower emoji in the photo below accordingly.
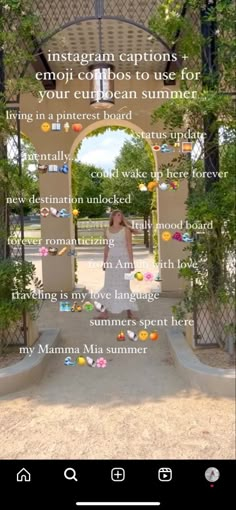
(43, 251)
(174, 185)
(148, 277)
(101, 363)
(177, 236)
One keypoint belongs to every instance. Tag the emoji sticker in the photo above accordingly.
(99, 307)
(64, 169)
(54, 212)
(68, 362)
(187, 147)
(88, 307)
(42, 169)
(166, 148)
(174, 185)
(177, 236)
(121, 336)
(44, 212)
(101, 363)
(166, 235)
(163, 186)
(142, 187)
(138, 276)
(152, 186)
(154, 336)
(43, 251)
(63, 213)
(81, 361)
(186, 238)
(63, 251)
(77, 127)
(56, 126)
(64, 306)
(45, 127)
(143, 335)
(52, 251)
(53, 168)
(148, 277)
(132, 336)
(90, 362)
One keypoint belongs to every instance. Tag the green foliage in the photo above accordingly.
(155, 233)
(17, 186)
(134, 155)
(84, 185)
(18, 25)
(75, 269)
(16, 277)
(211, 281)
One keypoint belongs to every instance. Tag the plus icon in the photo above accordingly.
(117, 474)
(184, 57)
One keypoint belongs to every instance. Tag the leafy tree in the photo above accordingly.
(134, 157)
(209, 199)
(18, 25)
(84, 187)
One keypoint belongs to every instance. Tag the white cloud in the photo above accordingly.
(98, 157)
(102, 150)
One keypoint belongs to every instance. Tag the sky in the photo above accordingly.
(103, 149)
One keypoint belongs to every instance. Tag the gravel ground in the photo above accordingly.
(136, 408)
(215, 358)
(10, 358)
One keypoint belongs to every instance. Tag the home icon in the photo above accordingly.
(23, 476)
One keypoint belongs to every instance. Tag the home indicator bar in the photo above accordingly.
(119, 503)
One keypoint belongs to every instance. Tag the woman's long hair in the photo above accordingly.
(123, 221)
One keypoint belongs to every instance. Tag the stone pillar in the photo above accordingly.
(171, 210)
(58, 271)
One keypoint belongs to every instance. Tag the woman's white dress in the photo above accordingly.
(115, 282)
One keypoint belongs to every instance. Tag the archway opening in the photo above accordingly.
(114, 168)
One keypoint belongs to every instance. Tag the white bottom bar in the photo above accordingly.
(121, 503)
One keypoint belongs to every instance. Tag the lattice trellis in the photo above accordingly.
(12, 216)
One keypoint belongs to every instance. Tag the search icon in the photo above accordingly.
(70, 474)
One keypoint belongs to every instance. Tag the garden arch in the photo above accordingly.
(74, 33)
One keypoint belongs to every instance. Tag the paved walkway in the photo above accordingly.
(136, 408)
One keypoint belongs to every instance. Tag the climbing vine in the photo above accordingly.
(213, 248)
